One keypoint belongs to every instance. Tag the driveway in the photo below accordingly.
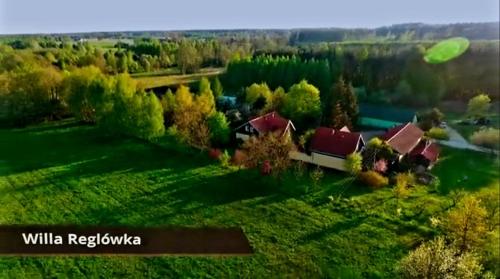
(457, 141)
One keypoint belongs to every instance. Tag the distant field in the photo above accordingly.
(70, 174)
(108, 43)
(152, 80)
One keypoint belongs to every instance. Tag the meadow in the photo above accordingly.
(67, 173)
(172, 77)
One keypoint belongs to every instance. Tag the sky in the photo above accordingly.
(64, 16)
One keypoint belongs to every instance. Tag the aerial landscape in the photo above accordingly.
(341, 152)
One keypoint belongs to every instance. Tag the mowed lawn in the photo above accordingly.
(71, 174)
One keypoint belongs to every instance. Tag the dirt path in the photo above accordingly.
(457, 141)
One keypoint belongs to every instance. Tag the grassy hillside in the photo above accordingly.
(70, 174)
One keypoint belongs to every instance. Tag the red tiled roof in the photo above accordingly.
(271, 122)
(335, 142)
(429, 150)
(403, 138)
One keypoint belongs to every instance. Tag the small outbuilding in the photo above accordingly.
(268, 123)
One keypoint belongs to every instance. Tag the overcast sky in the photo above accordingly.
(51, 16)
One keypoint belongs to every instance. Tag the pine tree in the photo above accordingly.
(340, 117)
(343, 95)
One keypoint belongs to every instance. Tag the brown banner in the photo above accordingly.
(79, 240)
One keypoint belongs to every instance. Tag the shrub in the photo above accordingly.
(214, 153)
(373, 179)
(437, 133)
(354, 163)
(239, 158)
(316, 176)
(224, 159)
(403, 180)
(489, 137)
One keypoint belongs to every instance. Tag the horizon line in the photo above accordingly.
(239, 29)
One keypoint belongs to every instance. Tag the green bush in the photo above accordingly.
(373, 179)
(489, 137)
(225, 159)
(437, 133)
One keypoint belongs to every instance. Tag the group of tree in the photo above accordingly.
(114, 103)
(193, 117)
(469, 246)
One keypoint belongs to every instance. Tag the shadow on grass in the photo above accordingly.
(465, 169)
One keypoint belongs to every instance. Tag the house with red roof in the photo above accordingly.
(408, 140)
(426, 153)
(330, 147)
(268, 123)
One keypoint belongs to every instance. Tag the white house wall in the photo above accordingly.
(319, 159)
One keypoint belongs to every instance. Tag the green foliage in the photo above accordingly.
(376, 150)
(403, 182)
(430, 119)
(305, 139)
(373, 179)
(488, 137)
(344, 105)
(86, 92)
(30, 94)
(436, 259)
(217, 88)
(132, 112)
(219, 128)
(225, 159)
(478, 106)
(354, 163)
(256, 91)
(188, 58)
(303, 105)
(437, 133)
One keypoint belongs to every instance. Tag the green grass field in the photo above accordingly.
(159, 79)
(71, 174)
(446, 50)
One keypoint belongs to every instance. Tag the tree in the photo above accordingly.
(272, 148)
(354, 163)
(375, 150)
(340, 118)
(168, 104)
(85, 92)
(188, 58)
(130, 111)
(436, 259)
(205, 101)
(466, 223)
(256, 92)
(277, 100)
(189, 117)
(219, 128)
(217, 88)
(31, 93)
(479, 105)
(345, 97)
(303, 105)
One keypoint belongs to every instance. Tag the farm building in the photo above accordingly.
(384, 117)
(426, 153)
(267, 123)
(407, 140)
(329, 147)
